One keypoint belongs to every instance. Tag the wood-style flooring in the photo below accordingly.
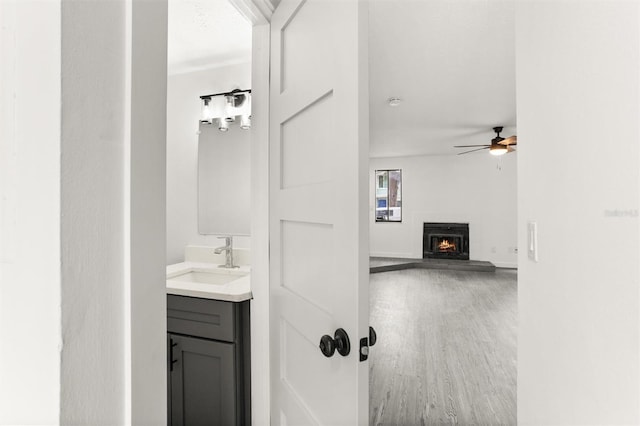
(446, 350)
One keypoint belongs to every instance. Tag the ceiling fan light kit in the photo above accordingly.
(497, 149)
(498, 146)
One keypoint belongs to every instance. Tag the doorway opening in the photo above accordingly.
(209, 157)
(447, 344)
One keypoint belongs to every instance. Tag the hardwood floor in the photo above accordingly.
(446, 350)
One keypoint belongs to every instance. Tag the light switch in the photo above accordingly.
(532, 241)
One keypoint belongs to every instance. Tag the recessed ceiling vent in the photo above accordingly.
(394, 102)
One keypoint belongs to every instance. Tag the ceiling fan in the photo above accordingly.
(498, 146)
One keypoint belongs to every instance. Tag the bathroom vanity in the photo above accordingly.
(208, 344)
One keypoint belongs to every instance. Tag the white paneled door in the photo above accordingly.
(318, 210)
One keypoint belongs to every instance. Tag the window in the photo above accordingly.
(389, 195)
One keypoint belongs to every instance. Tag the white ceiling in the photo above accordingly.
(453, 65)
(205, 34)
(452, 62)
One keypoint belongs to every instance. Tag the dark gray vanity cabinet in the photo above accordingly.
(208, 362)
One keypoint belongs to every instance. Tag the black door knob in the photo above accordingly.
(373, 337)
(327, 346)
(339, 342)
(342, 342)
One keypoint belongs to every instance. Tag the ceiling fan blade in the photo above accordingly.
(473, 150)
(511, 140)
(468, 146)
(510, 149)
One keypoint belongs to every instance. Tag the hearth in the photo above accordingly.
(445, 241)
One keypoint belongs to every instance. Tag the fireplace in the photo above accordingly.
(445, 241)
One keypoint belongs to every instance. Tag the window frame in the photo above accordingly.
(386, 218)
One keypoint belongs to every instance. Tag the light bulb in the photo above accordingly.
(223, 126)
(207, 114)
(230, 107)
(245, 122)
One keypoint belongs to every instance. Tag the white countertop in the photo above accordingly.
(236, 290)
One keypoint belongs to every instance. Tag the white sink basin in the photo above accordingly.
(208, 281)
(213, 277)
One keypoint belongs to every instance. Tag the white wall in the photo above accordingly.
(476, 188)
(112, 239)
(183, 113)
(578, 66)
(82, 294)
(92, 198)
(30, 42)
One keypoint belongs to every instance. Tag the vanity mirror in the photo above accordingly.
(224, 176)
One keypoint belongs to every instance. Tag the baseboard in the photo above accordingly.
(506, 265)
(393, 255)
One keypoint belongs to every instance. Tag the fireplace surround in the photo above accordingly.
(445, 241)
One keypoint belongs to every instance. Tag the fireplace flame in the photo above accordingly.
(446, 245)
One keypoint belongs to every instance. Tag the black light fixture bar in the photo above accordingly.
(232, 93)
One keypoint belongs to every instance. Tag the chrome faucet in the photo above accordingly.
(228, 248)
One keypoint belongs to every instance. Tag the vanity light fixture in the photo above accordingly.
(225, 107)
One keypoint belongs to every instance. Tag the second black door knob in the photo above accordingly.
(339, 342)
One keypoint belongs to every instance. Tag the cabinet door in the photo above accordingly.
(202, 382)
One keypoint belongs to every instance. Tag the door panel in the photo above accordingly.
(306, 30)
(318, 210)
(308, 136)
(306, 269)
(203, 384)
